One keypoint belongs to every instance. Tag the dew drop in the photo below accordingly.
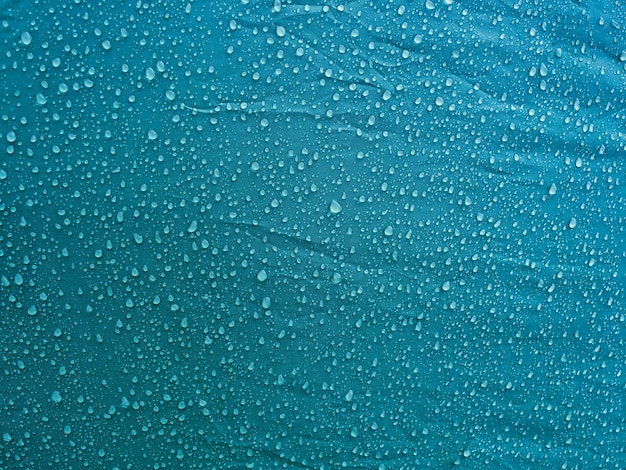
(26, 38)
(335, 207)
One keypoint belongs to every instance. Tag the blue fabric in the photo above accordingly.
(371, 235)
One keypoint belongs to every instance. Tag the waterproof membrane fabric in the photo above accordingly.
(285, 235)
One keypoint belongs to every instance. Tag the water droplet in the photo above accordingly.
(26, 38)
(552, 189)
(335, 207)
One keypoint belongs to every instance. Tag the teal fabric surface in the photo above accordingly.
(370, 235)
